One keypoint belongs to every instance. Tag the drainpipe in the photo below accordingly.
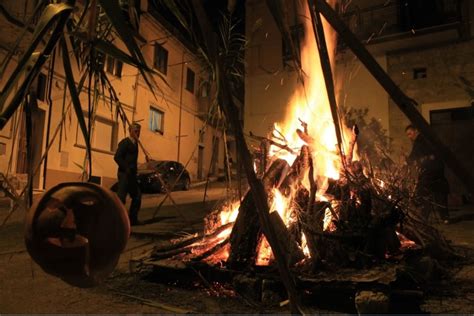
(135, 96)
(180, 104)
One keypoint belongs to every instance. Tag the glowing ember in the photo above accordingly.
(406, 243)
(281, 205)
(264, 253)
(229, 215)
(304, 246)
(219, 257)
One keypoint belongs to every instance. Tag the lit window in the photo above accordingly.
(156, 120)
(114, 66)
(104, 136)
(190, 80)
(160, 61)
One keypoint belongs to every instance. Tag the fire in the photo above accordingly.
(281, 204)
(308, 114)
(264, 253)
(229, 215)
(304, 246)
(310, 102)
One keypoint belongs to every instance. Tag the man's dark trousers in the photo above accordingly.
(127, 183)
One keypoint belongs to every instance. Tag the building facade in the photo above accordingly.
(173, 120)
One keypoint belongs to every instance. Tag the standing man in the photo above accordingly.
(432, 185)
(126, 158)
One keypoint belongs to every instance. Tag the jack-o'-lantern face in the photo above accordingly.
(76, 231)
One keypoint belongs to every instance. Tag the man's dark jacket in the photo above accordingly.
(126, 156)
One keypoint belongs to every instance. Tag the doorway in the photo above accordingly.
(455, 128)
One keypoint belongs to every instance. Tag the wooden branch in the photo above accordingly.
(293, 253)
(212, 251)
(272, 142)
(327, 72)
(191, 240)
(352, 143)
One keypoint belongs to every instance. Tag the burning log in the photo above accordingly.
(294, 253)
(184, 245)
(313, 222)
(298, 169)
(247, 230)
(212, 251)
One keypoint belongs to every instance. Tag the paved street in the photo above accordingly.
(182, 213)
(27, 289)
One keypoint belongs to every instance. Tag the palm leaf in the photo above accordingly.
(76, 101)
(26, 28)
(115, 15)
(173, 7)
(115, 52)
(54, 17)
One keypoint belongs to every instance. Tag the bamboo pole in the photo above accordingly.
(327, 73)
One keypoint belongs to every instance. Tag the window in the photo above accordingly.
(418, 14)
(419, 73)
(156, 120)
(190, 80)
(114, 66)
(104, 136)
(297, 33)
(160, 61)
(41, 86)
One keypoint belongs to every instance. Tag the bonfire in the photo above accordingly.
(329, 207)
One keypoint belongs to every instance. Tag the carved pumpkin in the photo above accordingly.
(77, 231)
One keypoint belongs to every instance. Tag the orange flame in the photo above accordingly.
(309, 111)
(311, 104)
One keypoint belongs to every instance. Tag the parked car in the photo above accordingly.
(149, 174)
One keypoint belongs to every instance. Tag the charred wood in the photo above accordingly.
(247, 230)
(189, 240)
(212, 251)
(298, 169)
(293, 252)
